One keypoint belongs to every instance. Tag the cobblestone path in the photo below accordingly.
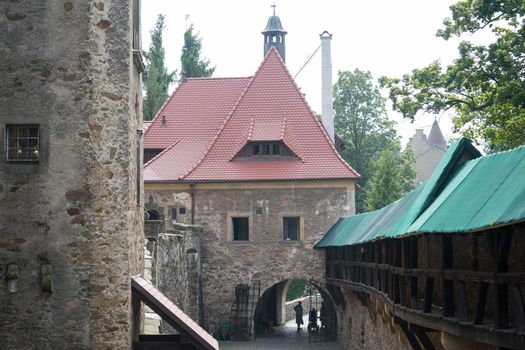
(284, 337)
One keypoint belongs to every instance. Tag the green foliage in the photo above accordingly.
(392, 177)
(296, 289)
(485, 85)
(360, 120)
(156, 77)
(192, 65)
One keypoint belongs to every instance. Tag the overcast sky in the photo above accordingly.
(385, 37)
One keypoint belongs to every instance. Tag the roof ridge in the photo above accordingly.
(250, 131)
(319, 124)
(283, 129)
(217, 78)
(179, 86)
(228, 117)
(160, 154)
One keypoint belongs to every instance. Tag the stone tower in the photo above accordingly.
(71, 212)
(274, 36)
(428, 151)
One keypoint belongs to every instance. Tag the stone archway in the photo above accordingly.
(271, 309)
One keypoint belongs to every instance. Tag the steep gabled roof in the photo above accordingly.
(435, 137)
(209, 136)
(467, 192)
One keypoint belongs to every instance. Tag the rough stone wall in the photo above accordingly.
(266, 257)
(178, 268)
(368, 327)
(69, 224)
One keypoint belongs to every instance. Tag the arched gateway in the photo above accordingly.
(256, 311)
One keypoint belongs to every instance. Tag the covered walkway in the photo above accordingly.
(283, 337)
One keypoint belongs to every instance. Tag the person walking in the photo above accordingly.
(298, 315)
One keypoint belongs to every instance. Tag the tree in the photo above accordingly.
(392, 177)
(484, 86)
(192, 65)
(156, 77)
(360, 120)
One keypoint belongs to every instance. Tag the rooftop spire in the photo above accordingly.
(435, 137)
(274, 35)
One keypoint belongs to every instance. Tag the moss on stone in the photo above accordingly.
(47, 278)
(12, 272)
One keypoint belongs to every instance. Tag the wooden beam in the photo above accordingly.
(482, 301)
(517, 307)
(422, 337)
(429, 291)
(461, 305)
(409, 334)
(448, 285)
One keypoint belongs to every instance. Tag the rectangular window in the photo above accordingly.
(240, 229)
(23, 143)
(182, 210)
(173, 215)
(255, 149)
(291, 228)
(276, 149)
(266, 149)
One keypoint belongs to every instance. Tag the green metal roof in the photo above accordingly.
(274, 25)
(462, 195)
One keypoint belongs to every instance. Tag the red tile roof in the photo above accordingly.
(209, 120)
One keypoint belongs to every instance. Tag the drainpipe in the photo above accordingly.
(327, 102)
(192, 193)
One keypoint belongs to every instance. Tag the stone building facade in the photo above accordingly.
(71, 212)
(246, 159)
(266, 257)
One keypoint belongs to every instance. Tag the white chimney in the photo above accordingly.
(327, 103)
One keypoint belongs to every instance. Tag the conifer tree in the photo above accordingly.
(193, 66)
(156, 77)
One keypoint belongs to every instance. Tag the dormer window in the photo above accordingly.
(265, 150)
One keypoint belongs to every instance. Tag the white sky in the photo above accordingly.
(385, 37)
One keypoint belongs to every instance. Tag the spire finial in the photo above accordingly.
(274, 6)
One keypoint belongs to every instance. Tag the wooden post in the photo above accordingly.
(499, 244)
(448, 285)
(482, 300)
(517, 307)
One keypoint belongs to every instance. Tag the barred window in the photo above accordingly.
(23, 143)
(291, 228)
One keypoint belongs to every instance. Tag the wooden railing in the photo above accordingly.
(439, 298)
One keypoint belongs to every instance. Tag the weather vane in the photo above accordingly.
(274, 6)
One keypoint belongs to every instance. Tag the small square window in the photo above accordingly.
(182, 210)
(240, 229)
(23, 143)
(291, 228)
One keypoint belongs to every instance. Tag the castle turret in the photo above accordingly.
(274, 35)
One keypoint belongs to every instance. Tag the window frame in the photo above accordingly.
(286, 227)
(27, 148)
(300, 228)
(230, 227)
